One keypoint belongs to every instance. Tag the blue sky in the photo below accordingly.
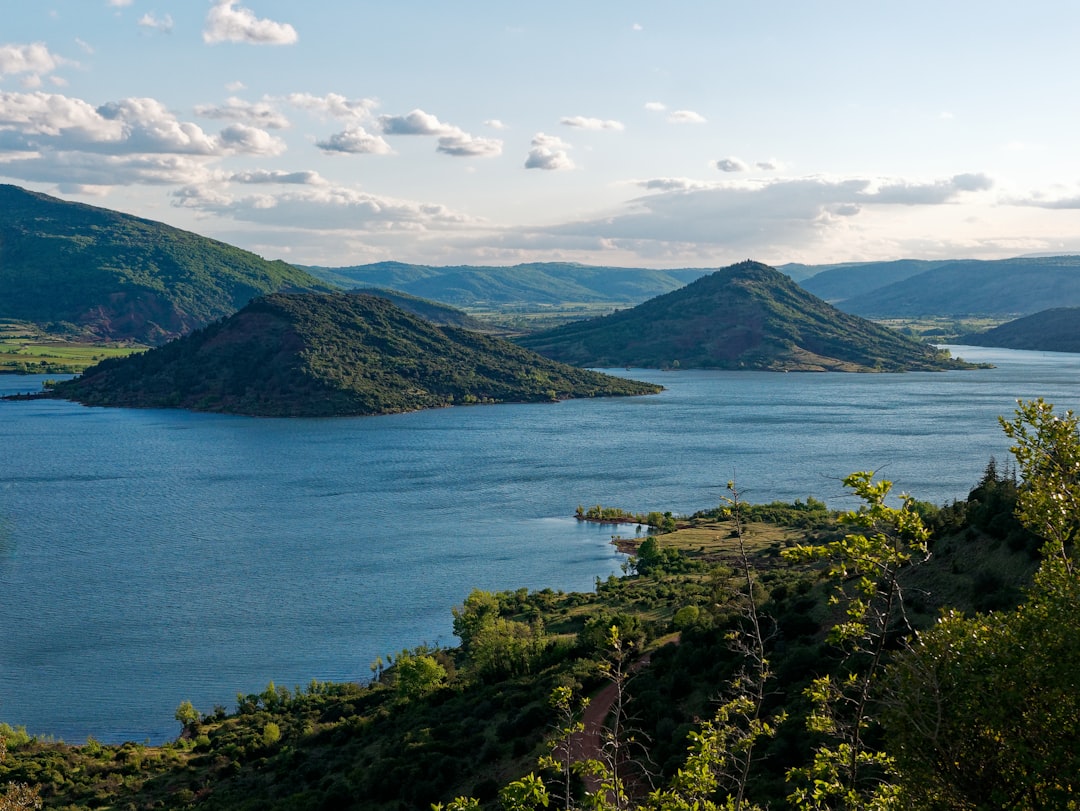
(621, 133)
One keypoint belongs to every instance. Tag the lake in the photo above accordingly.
(151, 557)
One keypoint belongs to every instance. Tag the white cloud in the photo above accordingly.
(671, 184)
(355, 141)
(327, 208)
(259, 176)
(226, 22)
(235, 87)
(682, 217)
(731, 164)
(120, 3)
(548, 152)
(86, 47)
(153, 23)
(686, 117)
(637, 27)
(415, 123)
(495, 124)
(911, 193)
(655, 106)
(248, 140)
(234, 109)
(463, 145)
(333, 105)
(769, 165)
(33, 61)
(581, 122)
(55, 138)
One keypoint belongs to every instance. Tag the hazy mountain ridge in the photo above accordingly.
(120, 277)
(747, 316)
(972, 287)
(309, 354)
(534, 283)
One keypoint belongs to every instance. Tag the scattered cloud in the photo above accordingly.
(85, 46)
(30, 61)
(463, 145)
(235, 87)
(323, 208)
(548, 152)
(333, 105)
(227, 22)
(581, 122)
(671, 184)
(686, 117)
(120, 3)
(355, 141)
(769, 165)
(731, 164)
(415, 123)
(153, 23)
(637, 27)
(655, 106)
(495, 124)
(260, 176)
(684, 217)
(260, 114)
(911, 193)
(62, 139)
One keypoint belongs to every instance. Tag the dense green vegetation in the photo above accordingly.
(1056, 330)
(803, 663)
(747, 316)
(311, 354)
(442, 315)
(834, 283)
(112, 276)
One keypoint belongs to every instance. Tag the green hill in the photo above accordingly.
(310, 354)
(537, 283)
(1005, 287)
(1056, 330)
(747, 316)
(118, 277)
(834, 283)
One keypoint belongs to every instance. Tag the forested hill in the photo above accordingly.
(1056, 330)
(747, 316)
(308, 354)
(119, 277)
(537, 283)
(1005, 287)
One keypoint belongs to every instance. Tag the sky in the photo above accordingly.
(630, 133)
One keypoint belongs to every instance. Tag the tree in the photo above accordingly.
(984, 712)
(418, 675)
(847, 772)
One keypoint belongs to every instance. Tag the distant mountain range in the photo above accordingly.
(1054, 330)
(747, 316)
(307, 354)
(952, 289)
(538, 283)
(118, 277)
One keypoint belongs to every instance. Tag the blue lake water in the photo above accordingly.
(148, 557)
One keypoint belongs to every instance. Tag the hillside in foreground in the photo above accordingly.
(115, 277)
(310, 354)
(747, 316)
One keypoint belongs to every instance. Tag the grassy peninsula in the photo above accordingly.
(311, 354)
(747, 316)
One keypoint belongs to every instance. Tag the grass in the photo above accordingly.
(27, 349)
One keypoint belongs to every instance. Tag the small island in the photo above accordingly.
(333, 354)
